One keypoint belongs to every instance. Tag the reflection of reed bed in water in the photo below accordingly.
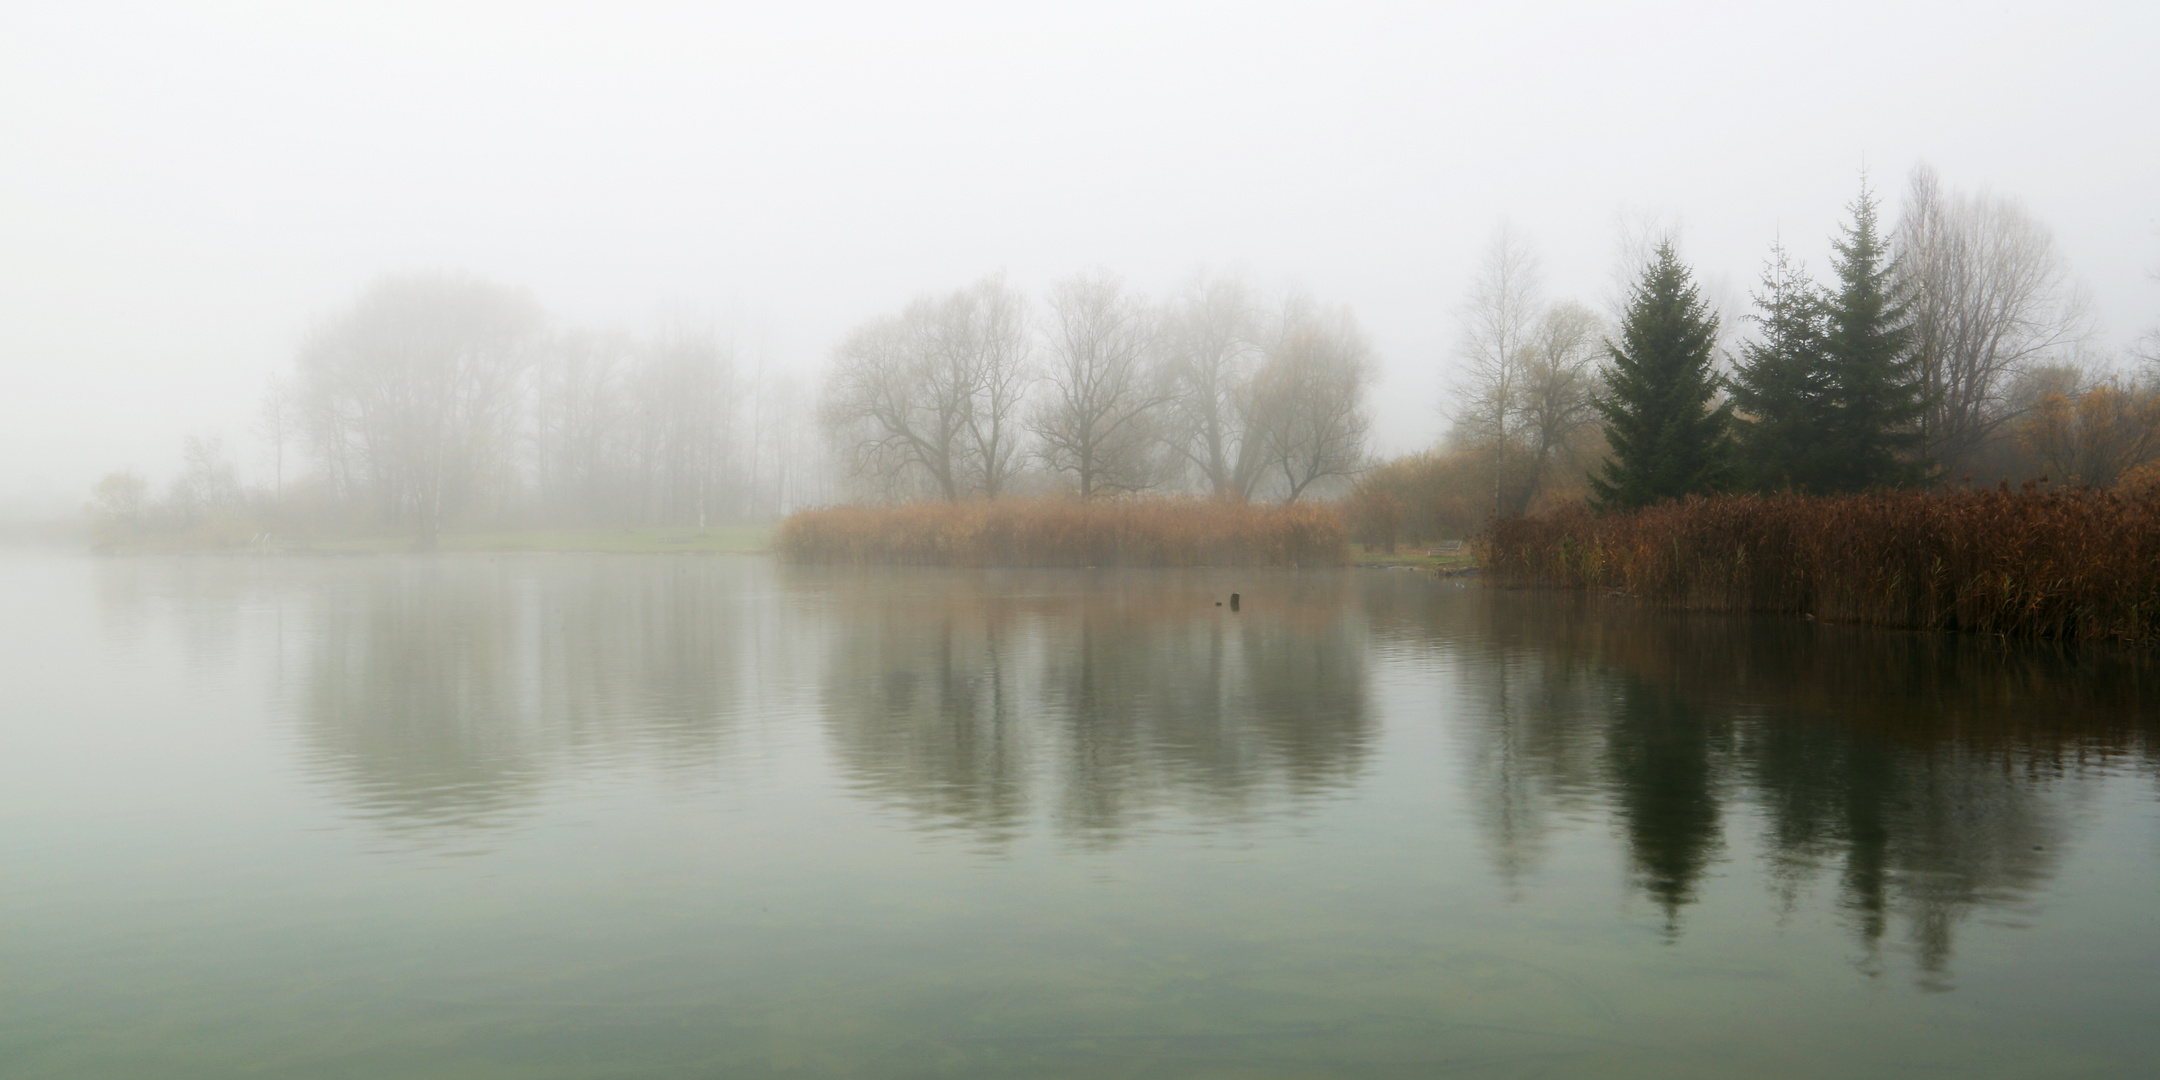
(2077, 565)
(1063, 532)
(1095, 702)
(1914, 689)
(1928, 777)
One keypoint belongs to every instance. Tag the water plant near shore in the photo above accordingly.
(2055, 564)
(1064, 532)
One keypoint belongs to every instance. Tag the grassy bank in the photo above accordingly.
(2079, 565)
(1452, 560)
(1059, 532)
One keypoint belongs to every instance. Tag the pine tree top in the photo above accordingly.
(1665, 437)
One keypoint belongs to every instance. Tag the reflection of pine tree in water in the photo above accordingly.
(1930, 832)
(1918, 772)
(1661, 757)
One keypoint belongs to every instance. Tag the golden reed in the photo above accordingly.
(1064, 532)
(2067, 565)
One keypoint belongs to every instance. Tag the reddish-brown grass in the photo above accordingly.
(1063, 532)
(2074, 565)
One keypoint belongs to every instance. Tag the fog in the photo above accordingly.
(187, 190)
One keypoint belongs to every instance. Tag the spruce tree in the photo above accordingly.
(1781, 393)
(1666, 439)
(1876, 398)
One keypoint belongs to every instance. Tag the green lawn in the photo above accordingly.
(1462, 558)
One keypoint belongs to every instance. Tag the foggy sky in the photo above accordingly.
(184, 189)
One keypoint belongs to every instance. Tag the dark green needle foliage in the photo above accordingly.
(1875, 392)
(1782, 396)
(1665, 437)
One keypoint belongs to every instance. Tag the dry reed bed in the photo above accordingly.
(2070, 565)
(1059, 532)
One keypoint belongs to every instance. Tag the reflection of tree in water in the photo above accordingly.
(925, 703)
(1664, 760)
(411, 700)
(442, 693)
(1099, 700)
(1920, 773)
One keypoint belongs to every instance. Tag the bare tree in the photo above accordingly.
(892, 420)
(120, 506)
(208, 484)
(1211, 345)
(685, 396)
(987, 327)
(1989, 295)
(933, 395)
(1558, 387)
(277, 422)
(2148, 347)
(1098, 420)
(1638, 231)
(1504, 301)
(412, 393)
(579, 416)
(797, 468)
(1309, 409)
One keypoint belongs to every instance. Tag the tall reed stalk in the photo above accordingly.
(1061, 532)
(2071, 565)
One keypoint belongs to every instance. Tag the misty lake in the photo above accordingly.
(620, 816)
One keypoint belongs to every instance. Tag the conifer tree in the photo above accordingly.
(1876, 398)
(1781, 393)
(1666, 439)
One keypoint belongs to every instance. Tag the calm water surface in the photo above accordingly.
(565, 816)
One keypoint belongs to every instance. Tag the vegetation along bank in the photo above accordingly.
(2065, 565)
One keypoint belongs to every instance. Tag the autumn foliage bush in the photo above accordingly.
(2062, 564)
(1065, 532)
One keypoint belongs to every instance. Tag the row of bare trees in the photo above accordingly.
(974, 394)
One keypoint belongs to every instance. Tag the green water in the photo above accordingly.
(628, 816)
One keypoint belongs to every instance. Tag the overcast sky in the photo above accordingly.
(184, 188)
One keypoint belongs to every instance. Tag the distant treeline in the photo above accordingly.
(1953, 344)
(1146, 531)
(2072, 565)
(436, 401)
(439, 402)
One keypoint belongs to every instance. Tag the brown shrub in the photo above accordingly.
(2077, 565)
(1061, 532)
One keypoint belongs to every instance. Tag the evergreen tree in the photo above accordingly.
(1666, 438)
(1876, 398)
(1781, 392)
